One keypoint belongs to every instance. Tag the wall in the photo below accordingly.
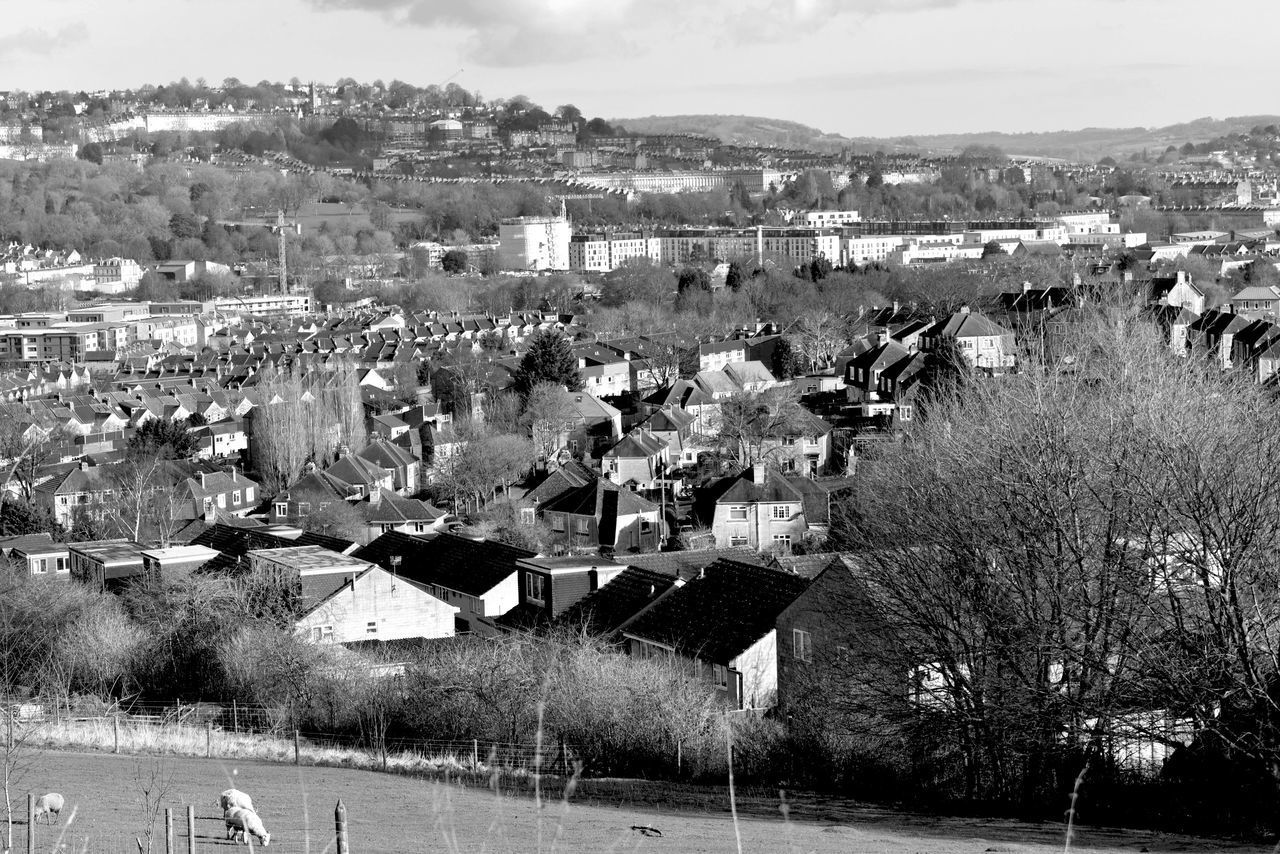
(400, 610)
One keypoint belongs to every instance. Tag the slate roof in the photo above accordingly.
(629, 592)
(571, 475)
(473, 567)
(681, 393)
(966, 325)
(720, 614)
(234, 542)
(638, 444)
(687, 564)
(775, 489)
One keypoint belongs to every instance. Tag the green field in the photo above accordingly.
(389, 813)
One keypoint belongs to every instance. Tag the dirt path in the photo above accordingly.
(388, 813)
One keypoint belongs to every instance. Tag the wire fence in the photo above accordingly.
(228, 731)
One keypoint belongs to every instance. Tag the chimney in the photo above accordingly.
(882, 335)
(757, 473)
(234, 478)
(202, 480)
(964, 309)
(895, 306)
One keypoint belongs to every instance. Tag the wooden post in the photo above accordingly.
(168, 831)
(679, 756)
(31, 823)
(340, 828)
(297, 748)
(115, 732)
(191, 829)
(235, 716)
(564, 756)
(208, 739)
(475, 754)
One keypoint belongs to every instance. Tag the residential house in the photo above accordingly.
(675, 426)
(715, 355)
(1178, 291)
(606, 608)
(639, 461)
(750, 376)
(376, 605)
(221, 440)
(687, 396)
(360, 476)
(722, 625)
(479, 577)
(592, 425)
(987, 346)
(204, 494)
(760, 509)
(37, 555)
(550, 585)
(1257, 302)
(599, 515)
(310, 573)
(403, 465)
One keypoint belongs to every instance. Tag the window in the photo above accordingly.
(371, 627)
(322, 633)
(801, 645)
(526, 515)
(282, 508)
(581, 525)
(248, 494)
(222, 500)
(738, 513)
(534, 587)
(906, 413)
(304, 508)
(737, 540)
(557, 522)
(61, 565)
(783, 540)
(646, 526)
(235, 497)
(720, 674)
(780, 511)
(38, 565)
(387, 526)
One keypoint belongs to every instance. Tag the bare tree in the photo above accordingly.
(153, 782)
(754, 425)
(550, 414)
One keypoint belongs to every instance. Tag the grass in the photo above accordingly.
(461, 808)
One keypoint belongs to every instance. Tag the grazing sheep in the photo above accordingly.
(234, 798)
(49, 806)
(241, 822)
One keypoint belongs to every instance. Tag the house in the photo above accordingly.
(403, 465)
(80, 487)
(715, 355)
(1178, 291)
(376, 605)
(639, 461)
(206, 493)
(760, 509)
(603, 610)
(550, 585)
(106, 565)
(721, 624)
(477, 576)
(750, 376)
(310, 573)
(600, 515)
(1257, 302)
(37, 555)
(986, 345)
(684, 395)
(385, 511)
(675, 427)
(593, 425)
(360, 476)
(224, 439)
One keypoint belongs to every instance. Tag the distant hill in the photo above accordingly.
(1087, 144)
(739, 130)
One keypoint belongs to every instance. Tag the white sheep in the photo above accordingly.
(235, 798)
(49, 806)
(241, 821)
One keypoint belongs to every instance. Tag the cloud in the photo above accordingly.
(533, 32)
(37, 42)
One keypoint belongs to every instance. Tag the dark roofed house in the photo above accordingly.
(600, 515)
(478, 576)
(602, 611)
(722, 623)
(550, 585)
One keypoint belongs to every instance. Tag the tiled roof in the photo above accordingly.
(721, 613)
(473, 567)
(602, 611)
(687, 564)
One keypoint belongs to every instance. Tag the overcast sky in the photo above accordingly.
(857, 67)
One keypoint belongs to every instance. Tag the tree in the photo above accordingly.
(636, 279)
(91, 152)
(549, 414)
(820, 337)
(454, 261)
(548, 359)
(733, 279)
(1046, 580)
(165, 438)
(753, 424)
(692, 279)
(337, 518)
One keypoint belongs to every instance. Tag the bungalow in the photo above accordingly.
(721, 624)
(479, 577)
(376, 605)
(106, 565)
(37, 555)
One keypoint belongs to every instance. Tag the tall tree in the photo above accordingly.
(548, 359)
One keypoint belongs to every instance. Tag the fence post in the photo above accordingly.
(177, 715)
(168, 831)
(564, 755)
(208, 739)
(475, 754)
(340, 828)
(297, 748)
(191, 829)
(31, 823)
(679, 756)
(235, 717)
(115, 733)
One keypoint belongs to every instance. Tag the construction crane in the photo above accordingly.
(281, 228)
(444, 90)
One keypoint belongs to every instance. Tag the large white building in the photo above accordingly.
(534, 243)
(604, 252)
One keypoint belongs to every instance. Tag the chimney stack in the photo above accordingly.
(757, 473)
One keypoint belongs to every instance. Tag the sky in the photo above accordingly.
(854, 67)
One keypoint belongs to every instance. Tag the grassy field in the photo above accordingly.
(392, 813)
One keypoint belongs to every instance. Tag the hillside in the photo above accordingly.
(739, 130)
(1085, 144)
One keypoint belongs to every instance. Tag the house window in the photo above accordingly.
(371, 627)
(38, 565)
(581, 525)
(248, 494)
(60, 565)
(783, 540)
(557, 522)
(222, 500)
(737, 540)
(235, 497)
(387, 526)
(322, 633)
(906, 413)
(282, 508)
(534, 587)
(304, 508)
(526, 515)
(646, 526)
(781, 511)
(720, 674)
(801, 645)
(738, 513)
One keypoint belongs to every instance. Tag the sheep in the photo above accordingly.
(245, 822)
(234, 798)
(49, 806)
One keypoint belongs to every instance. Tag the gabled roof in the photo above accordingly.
(472, 567)
(638, 444)
(681, 393)
(602, 611)
(571, 475)
(743, 373)
(966, 324)
(775, 489)
(600, 499)
(687, 564)
(394, 508)
(720, 614)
